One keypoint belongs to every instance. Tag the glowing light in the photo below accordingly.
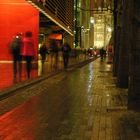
(109, 29)
(91, 20)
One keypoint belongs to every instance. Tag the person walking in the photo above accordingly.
(43, 52)
(15, 47)
(65, 52)
(54, 53)
(28, 51)
(102, 54)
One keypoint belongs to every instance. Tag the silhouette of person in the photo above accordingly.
(54, 53)
(28, 51)
(15, 47)
(65, 51)
(43, 52)
(102, 53)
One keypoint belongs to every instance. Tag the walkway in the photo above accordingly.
(6, 69)
(80, 104)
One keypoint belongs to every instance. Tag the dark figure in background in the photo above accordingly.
(89, 52)
(27, 51)
(66, 51)
(54, 53)
(43, 52)
(102, 53)
(15, 48)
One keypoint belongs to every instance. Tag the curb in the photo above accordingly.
(10, 91)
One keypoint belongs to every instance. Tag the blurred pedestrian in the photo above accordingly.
(28, 51)
(102, 54)
(54, 53)
(89, 52)
(66, 51)
(43, 52)
(15, 47)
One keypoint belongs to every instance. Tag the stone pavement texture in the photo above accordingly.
(77, 104)
(6, 69)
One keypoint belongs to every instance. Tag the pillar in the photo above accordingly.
(123, 59)
(116, 37)
(134, 79)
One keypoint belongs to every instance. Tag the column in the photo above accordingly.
(116, 46)
(134, 80)
(123, 59)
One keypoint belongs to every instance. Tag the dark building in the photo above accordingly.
(127, 48)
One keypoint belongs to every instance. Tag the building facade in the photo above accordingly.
(94, 19)
(58, 16)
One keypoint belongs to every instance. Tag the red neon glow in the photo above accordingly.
(55, 36)
(16, 16)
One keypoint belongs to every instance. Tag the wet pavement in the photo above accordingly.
(77, 104)
(6, 69)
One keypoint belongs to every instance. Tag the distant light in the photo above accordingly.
(17, 36)
(91, 20)
(99, 20)
(99, 8)
(109, 29)
(41, 34)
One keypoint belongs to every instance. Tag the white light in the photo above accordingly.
(91, 20)
(17, 36)
(109, 29)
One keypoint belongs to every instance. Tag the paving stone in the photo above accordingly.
(97, 113)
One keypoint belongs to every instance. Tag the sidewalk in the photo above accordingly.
(6, 69)
(100, 114)
(110, 119)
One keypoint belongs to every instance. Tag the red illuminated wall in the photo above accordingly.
(55, 36)
(16, 16)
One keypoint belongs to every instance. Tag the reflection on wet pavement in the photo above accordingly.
(78, 104)
(6, 70)
(57, 111)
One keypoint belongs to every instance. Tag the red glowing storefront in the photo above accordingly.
(16, 16)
